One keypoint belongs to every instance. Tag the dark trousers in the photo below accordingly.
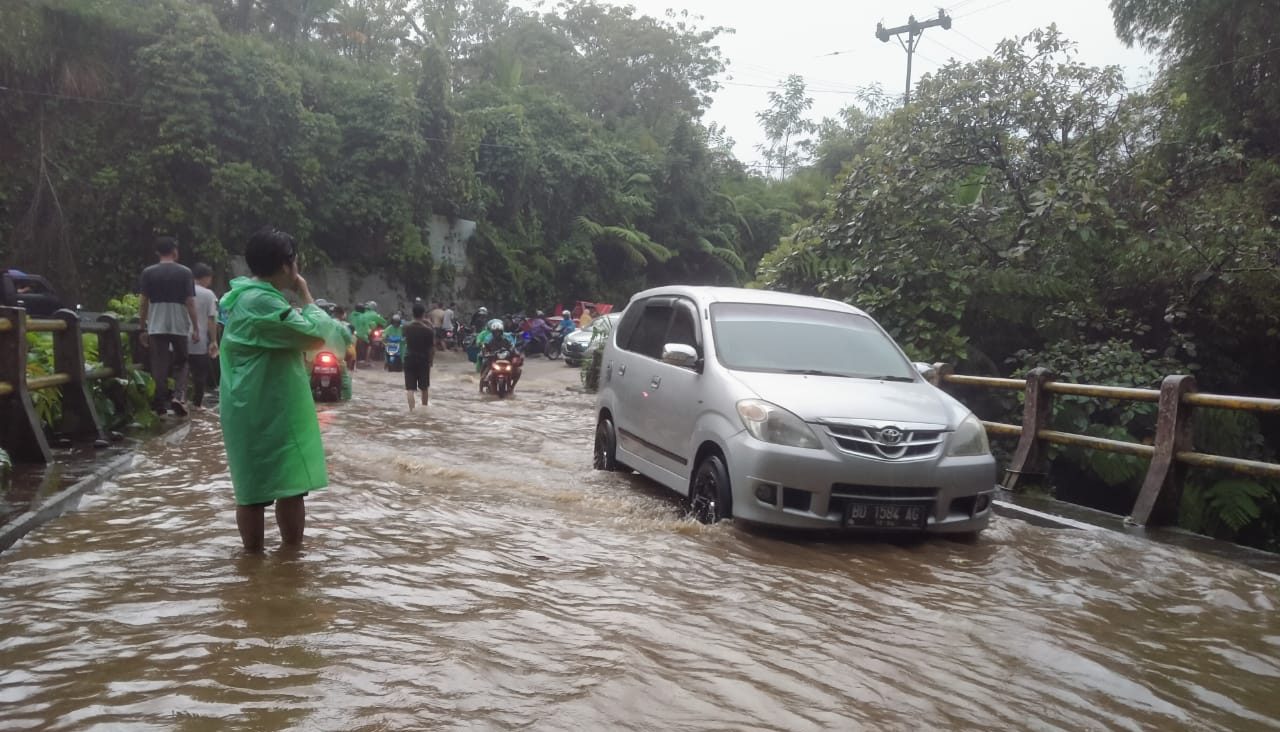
(201, 367)
(169, 360)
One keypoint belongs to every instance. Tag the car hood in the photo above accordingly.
(818, 398)
(579, 336)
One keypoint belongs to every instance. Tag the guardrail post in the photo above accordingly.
(1162, 488)
(1031, 456)
(19, 424)
(941, 371)
(79, 417)
(111, 353)
(137, 350)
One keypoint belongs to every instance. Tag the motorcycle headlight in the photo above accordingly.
(770, 423)
(969, 439)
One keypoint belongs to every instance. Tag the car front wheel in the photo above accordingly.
(606, 449)
(710, 499)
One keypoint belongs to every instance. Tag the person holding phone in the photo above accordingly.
(269, 424)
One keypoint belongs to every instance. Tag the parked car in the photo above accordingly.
(578, 344)
(787, 410)
(33, 292)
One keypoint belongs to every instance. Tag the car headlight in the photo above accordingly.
(969, 439)
(770, 423)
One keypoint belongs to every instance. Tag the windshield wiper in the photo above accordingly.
(904, 379)
(816, 372)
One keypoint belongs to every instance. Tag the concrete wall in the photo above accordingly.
(448, 242)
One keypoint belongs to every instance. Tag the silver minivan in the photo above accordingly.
(787, 410)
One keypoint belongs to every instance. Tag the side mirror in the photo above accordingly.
(927, 370)
(678, 354)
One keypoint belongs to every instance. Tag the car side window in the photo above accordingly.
(627, 325)
(651, 331)
(684, 328)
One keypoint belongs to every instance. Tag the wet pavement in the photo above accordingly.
(467, 570)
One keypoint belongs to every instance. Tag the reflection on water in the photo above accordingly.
(468, 570)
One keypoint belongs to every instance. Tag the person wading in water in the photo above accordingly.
(268, 416)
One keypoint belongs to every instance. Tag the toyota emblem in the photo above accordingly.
(891, 435)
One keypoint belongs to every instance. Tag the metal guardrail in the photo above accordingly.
(20, 426)
(1170, 452)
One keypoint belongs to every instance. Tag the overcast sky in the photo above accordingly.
(776, 38)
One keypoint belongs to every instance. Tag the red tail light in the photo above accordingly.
(327, 359)
(377, 333)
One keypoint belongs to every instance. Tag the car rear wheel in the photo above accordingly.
(710, 499)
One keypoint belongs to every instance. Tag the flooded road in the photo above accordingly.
(467, 570)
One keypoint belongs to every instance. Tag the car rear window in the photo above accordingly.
(776, 338)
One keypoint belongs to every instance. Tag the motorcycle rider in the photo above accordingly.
(480, 320)
(365, 319)
(567, 325)
(393, 329)
(492, 341)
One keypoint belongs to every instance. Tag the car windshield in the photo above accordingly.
(605, 323)
(784, 339)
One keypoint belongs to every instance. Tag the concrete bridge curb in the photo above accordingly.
(68, 498)
(62, 501)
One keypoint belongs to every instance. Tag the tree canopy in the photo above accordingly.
(573, 136)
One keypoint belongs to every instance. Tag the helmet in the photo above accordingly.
(483, 311)
(371, 305)
(396, 318)
(539, 314)
(565, 314)
(324, 304)
(495, 325)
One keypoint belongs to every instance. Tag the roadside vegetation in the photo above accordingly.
(1026, 209)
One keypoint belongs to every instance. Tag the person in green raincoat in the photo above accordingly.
(268, 417)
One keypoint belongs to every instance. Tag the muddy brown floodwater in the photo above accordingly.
(468, 570)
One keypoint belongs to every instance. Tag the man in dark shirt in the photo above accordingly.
(169, 324)
(419, 341)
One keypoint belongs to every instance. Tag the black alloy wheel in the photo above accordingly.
(605, 456)
(710, 499)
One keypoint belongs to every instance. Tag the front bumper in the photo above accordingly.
(812, 488)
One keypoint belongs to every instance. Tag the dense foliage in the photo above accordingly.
(573, 136)
(1027, 210)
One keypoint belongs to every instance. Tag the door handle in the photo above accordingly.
(657, 381)
(622, 369)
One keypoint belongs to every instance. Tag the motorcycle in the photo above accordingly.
(534, 345)
(555, 345)
(502, 372)
(326, 378)
(375, 345)
(394, 359)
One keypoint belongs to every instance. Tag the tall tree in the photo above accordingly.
(1224, 54)
(784, 122)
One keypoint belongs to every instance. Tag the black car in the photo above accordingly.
(33, 292)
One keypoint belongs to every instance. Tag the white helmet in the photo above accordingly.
(371, 305)
(495, 325)
(483, 311)
(565, 314)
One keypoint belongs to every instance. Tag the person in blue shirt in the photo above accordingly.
(567, 325)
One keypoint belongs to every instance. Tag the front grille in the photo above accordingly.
(886, 443)
(852, 490)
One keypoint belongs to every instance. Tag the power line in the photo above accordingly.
(961, 33)
(983, 9)
(134, 105)
(949, 49)
(775, 87)
(69, 97)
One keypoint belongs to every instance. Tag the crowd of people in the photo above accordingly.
(252, 345)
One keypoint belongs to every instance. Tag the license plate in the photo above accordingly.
(324, 381)
(886, 515)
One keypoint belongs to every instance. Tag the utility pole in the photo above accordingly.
(914, 29)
